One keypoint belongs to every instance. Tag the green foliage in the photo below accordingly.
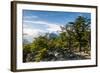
(40, 42)
(27, 48)
(75, 36)
(26, 51)
(82, 30)
(40, 54)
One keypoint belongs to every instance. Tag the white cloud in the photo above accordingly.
(51, 26)
(54, 28)
(32, 33)
(30, 17)
(36, 22)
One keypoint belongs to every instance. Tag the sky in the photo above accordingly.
(37, 23)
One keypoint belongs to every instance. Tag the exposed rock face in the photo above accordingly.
(52, 35)
(57, 56)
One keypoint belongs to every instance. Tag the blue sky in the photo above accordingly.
(37, 23)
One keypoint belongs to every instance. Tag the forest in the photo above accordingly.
(73, 42)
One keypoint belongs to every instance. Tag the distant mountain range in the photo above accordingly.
(51, 35)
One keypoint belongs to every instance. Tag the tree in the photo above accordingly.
(81, 28)
(26, 51)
